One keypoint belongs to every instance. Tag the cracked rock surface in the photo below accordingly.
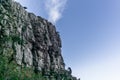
(34, 40)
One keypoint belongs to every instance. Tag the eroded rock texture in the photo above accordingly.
(30, 41)
(34, 40)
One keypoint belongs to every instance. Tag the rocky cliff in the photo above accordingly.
(29, 40)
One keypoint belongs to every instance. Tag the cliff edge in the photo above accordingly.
(29, 41)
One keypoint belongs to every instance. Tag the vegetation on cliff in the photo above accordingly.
(30, 46)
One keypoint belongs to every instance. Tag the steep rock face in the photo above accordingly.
(31, 40)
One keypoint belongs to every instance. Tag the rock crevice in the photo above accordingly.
(39, 46)
(30, 40)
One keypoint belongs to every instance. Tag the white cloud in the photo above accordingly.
(55, 9)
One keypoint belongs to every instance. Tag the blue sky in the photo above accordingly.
(90, 32)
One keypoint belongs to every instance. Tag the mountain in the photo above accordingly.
(30, 46)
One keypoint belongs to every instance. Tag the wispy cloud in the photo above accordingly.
(55, 9)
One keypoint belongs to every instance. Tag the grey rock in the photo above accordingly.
(34, 40)
(37, 43)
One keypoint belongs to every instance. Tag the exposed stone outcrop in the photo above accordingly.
(30, 40)
(42, 44)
